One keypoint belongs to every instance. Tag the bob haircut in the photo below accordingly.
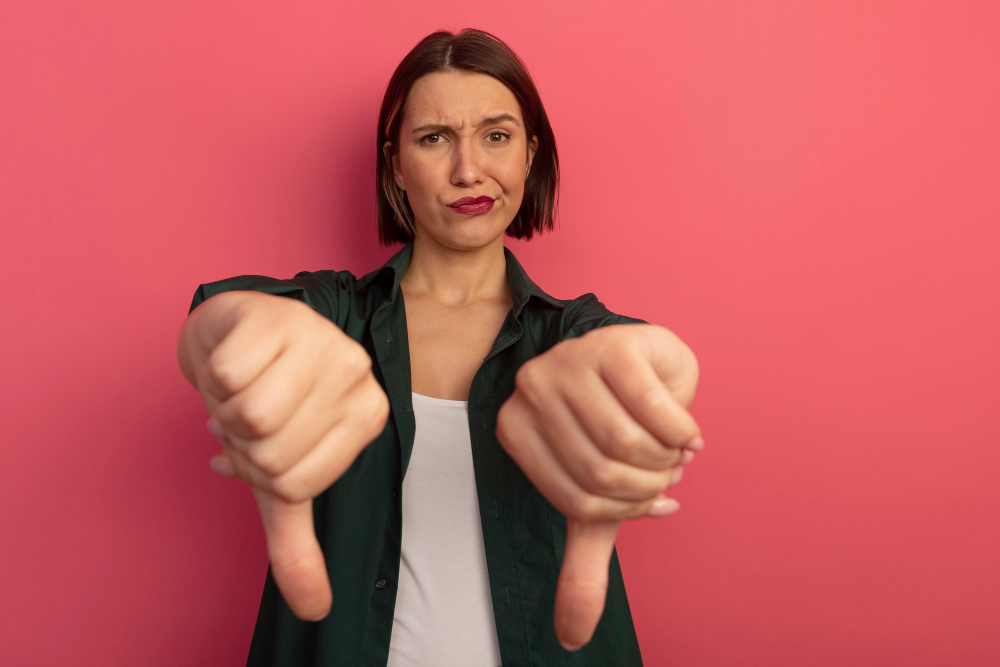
(473, 51)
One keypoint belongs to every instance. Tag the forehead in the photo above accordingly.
(457, 98)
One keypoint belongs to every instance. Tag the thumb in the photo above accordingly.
(583, 580)
(297, 562)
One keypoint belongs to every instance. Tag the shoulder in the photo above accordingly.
(323, 290)
(585, 313)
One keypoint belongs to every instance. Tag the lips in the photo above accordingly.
(473, 205)
(466, 201)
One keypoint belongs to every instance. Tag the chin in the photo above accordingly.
(469, 236)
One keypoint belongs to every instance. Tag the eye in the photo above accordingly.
(504, 136)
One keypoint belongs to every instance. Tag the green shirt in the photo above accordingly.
(358, 519)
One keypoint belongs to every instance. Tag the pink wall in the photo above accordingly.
(821, 181)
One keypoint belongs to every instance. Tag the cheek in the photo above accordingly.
(512, 173)
(417, 186)
(425, 175)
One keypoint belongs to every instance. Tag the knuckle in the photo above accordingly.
(222, 372)
(357, 361)
(267, 459)
(257, 416)
(600, 477)
(526, 378)
(622, 441)
(584, 507)
(347, 358)
(263, 308)
(291, 488)
(638, 510)
(291, 313)
(652, 399)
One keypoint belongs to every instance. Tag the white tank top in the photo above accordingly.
(444, 613)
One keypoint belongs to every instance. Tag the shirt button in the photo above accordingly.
(380, 584)
(394, 495)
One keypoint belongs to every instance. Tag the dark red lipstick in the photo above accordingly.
(472, 205)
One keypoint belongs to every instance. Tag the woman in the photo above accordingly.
(442, 532)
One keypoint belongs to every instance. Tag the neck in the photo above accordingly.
(456, 277)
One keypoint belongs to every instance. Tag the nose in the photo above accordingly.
(467, 168)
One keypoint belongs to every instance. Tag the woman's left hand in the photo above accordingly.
(598, 423)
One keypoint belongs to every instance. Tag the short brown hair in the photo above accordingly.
(474, 51)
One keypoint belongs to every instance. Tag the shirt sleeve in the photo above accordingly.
(586, 313)
(326, 292)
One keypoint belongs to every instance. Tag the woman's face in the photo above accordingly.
(462, 135)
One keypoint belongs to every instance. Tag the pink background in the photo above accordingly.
(806, 193)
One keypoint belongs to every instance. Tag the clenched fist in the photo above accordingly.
(599, 424)
(294, 402)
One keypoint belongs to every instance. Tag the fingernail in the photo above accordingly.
(696, 444)
(222, 465)
(215, 428)
(676, 475)
(320, 617)
(664, 507)
(686, 456)
(569, 647)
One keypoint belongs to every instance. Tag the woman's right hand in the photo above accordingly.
(294, 402)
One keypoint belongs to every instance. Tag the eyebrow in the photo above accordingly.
(486, 121)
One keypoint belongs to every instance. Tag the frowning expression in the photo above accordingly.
(462, 136)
